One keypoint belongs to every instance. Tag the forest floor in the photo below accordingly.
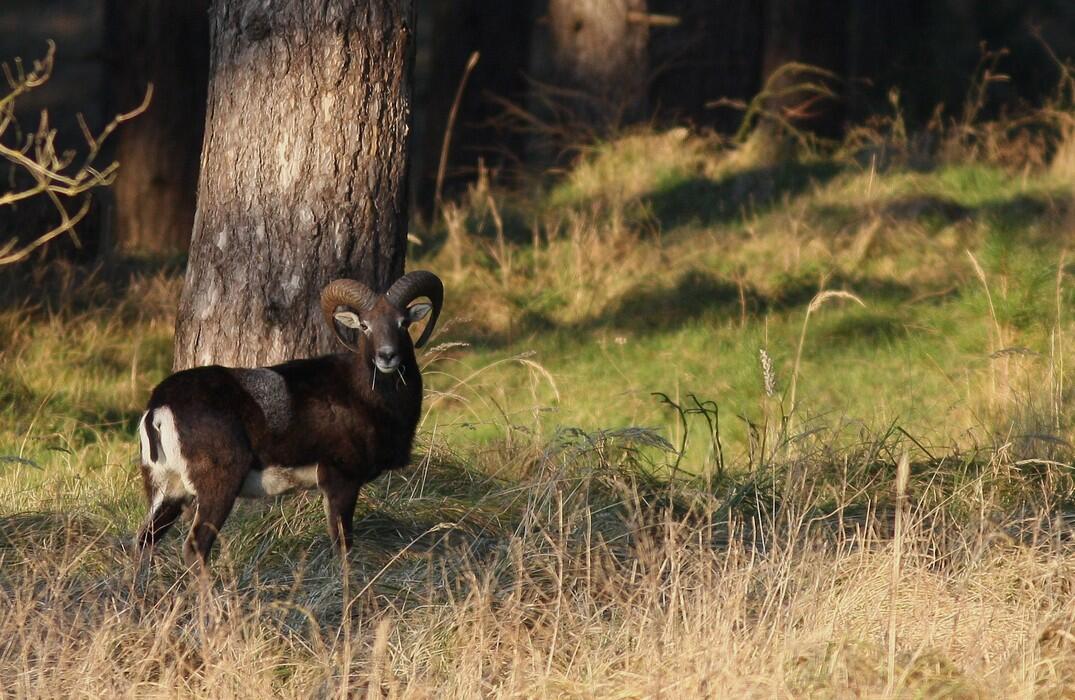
(694, 428)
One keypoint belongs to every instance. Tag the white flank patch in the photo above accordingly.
(169, 473)
(275, 481)
(143, 439)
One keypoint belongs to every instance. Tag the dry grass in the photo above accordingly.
(780, 544)
(578, 581)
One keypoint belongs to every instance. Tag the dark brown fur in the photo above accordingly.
(352, 427)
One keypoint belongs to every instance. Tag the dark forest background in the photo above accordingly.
(690, 55)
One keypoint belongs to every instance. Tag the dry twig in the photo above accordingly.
(34, 158)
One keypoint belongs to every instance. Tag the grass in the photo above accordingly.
(612, 495)
(623, 302)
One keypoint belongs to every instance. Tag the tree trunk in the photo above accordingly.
(814, 32)
(925, 48)
(304, 173)
(165, 43)
(713, 52)
(600, 59)
(500, 32)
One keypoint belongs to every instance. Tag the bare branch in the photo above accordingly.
(53, 174)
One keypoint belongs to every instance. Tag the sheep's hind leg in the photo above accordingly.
(216, 487)
(164, 508)
(159, 520)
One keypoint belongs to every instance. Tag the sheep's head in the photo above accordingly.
(377, 324)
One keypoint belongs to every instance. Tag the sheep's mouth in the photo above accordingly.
(386, 368)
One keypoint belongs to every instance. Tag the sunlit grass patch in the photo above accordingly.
(660, 456)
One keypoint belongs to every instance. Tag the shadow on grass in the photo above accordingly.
(47, 530)
(677, 202)
(1024, 211)
(699, 294)
(696, 295)
(653, 307)
(707, 202)
(1013, 214)
(862, 325)
(16, 396)
(427, 534)
(61, 286)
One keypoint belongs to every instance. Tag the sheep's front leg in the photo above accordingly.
(341, 493)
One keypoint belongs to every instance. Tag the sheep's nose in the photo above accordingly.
(386, 355)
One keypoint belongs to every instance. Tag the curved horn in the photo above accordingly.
(349, 293)
(418, 284)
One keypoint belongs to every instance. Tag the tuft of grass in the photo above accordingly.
(582, 576)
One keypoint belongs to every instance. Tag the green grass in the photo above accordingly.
(652, 274)
(674, 298)
(621, 298)
(633, 287)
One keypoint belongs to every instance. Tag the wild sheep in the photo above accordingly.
(212, 434)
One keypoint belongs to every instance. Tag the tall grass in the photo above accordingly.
(581, 579)
(610, 497)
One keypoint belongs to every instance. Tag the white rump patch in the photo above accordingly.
(274, 481)
(169, 474)
(269, 391)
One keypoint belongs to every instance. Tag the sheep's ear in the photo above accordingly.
(348, 319)
(417, 312)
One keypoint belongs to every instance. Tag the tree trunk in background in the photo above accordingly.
(304, 173)
(500, 32)
(165, 43)
(813, 32)
(889, 44)
(715, 51)
(599, 53)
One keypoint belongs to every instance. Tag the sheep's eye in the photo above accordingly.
(363, 326)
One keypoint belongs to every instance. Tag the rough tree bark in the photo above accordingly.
(165, 43)
(599, 50)
(304, 173)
